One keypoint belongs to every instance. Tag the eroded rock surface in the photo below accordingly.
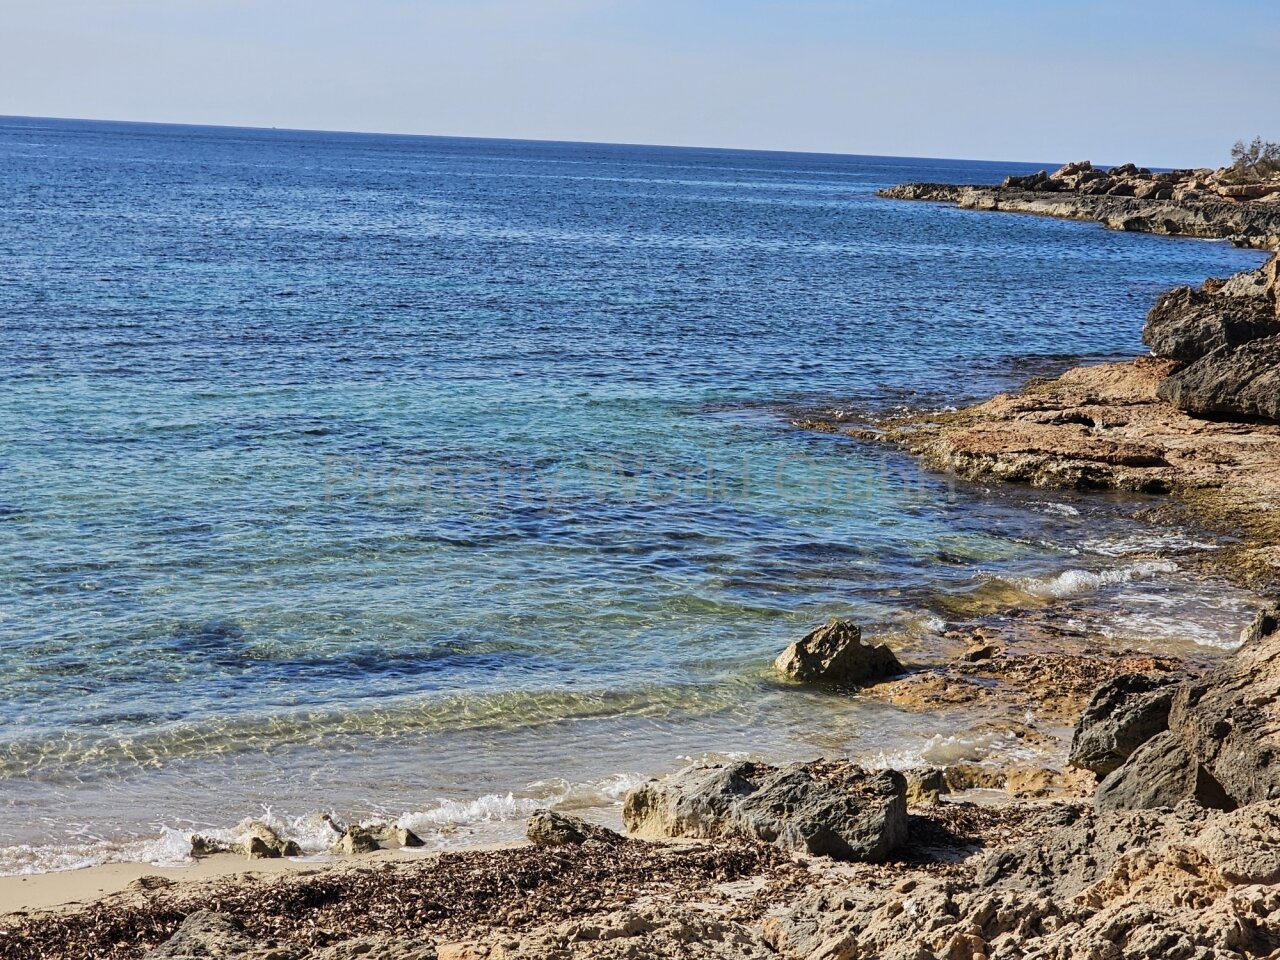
(834, 653)
(833, 809)
(1122, 715)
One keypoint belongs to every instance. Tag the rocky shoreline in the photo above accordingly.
(1155, 833)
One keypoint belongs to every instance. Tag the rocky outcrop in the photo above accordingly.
(1222, 745)
(1227, 335)
(1235, 382)
(1123, 714)
(832, 809)
(1193, 214)
(1099, 887)
(547, 828)
(834, 653)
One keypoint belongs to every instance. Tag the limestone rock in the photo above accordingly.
(204, 935)
(355, 840)
(823, 808)
(1187, 324)
(1160, 773)
(390, 834)
(835, 653)
(547, 828)
(1228, 720)
(1123, 714)
(263, 843)
(1231, 381)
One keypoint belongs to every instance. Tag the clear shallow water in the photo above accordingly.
(394, 475)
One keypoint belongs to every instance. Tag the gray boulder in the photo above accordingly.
(1160, 773)
(547, 828)
(1187, 324)
(835, 653)
(1123, 714)
(1222, 745)
(1228, 719)
(833, 809)
(204, 935)
(1241, 381)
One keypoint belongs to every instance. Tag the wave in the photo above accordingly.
(442, 825)
(1074, 583)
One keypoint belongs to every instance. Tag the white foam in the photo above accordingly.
(1074, 583)
(1059, 509)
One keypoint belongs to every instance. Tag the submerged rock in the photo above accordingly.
(835, 653)
(547, 828)
(833, 809)
(1123, 714)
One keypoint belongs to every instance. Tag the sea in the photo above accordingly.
(439, 480)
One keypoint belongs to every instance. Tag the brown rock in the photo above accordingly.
(835, 653)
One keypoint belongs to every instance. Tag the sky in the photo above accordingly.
(1158, 82)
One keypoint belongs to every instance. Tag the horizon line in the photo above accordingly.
(541, 140)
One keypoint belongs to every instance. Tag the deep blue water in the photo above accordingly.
(361, 471)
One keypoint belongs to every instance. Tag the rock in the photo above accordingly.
(1187, 324)
(390, 834)
(1241, 381)
(204, 935)
(1160, 773)
(1227, 720)
(202, 846)
(1123, 714)
(355, 840)
(925, 786)
(1265, 624)
(824, 808)
(1222, 745)
(547, 828)
(263, 843)
(1128, 886)
(835, 653)
(983, 652)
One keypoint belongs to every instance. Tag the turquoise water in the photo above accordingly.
(396, 475)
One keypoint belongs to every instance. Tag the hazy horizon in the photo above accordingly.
(1155, 82)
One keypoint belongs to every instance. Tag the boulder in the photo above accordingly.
(1240, 381)
(1123, 714)
(1228, 719)
(355, 839)
(835, 653)
(823, 808)
(1222, 745)
(202, 935)
(1160, 773)
(547, 828)
(1187, 324)
(263, 843)
(390, 834)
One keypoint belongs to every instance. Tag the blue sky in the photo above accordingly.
(1160, 82)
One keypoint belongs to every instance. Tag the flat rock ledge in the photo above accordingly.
(825, 808)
